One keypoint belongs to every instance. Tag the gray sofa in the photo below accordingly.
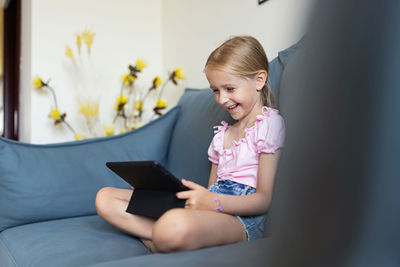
(47, 192)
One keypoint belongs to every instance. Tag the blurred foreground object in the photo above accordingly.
(337, 198)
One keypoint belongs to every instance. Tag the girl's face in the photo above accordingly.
(240, 96)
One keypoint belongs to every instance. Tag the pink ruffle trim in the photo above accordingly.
(220, 130)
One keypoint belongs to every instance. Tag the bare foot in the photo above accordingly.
(149, 244)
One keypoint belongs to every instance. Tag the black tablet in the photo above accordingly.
(155, 187)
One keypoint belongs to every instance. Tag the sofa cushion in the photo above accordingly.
(44, 182)
(77, 241)
(192, 135)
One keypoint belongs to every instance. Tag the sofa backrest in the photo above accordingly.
(277, 67)
(44, 182)
(198, 113)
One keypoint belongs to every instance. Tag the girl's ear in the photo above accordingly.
(261, 79)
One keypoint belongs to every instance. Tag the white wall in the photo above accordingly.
(1, 63)
(167, 33)
(192, 28)
(25, 118)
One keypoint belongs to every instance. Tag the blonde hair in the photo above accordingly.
(244, 56)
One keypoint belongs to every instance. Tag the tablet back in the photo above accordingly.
(149, 175)
(154, 187)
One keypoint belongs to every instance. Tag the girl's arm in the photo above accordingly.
(259, 202)
(248, 205)
(213, 174)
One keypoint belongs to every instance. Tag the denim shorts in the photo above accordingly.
(253, 225)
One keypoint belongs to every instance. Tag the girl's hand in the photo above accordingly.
(198, 198)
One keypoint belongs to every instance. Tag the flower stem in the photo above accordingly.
(146, 95)
(120, 92)
(118, 112)
(117, 115)
(163, 87)
(54, 95)
(68, 125)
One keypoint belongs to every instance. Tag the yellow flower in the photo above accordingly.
(179, 73)
(87, 37)
(79, 136)
(128, 79)
(69, 53)
(122, 131)
(157, 81)
(55, 114)
(89, 108)
(138, 105)
(109, 129)
(161, 103)
(140, 64)
(121, 101)
(38, 82)
(78, 40)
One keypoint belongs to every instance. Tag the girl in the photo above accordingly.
(244, 160)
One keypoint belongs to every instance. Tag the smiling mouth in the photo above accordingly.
(231, 107)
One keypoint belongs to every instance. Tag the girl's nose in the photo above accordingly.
(222, 98)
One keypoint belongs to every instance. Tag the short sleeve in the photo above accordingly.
(212, 152)
(270, 134)
(215, 148)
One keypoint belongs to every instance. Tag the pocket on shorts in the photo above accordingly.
(228, 187)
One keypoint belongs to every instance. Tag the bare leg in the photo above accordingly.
(176, 230)
(111, 204)
(186, 229)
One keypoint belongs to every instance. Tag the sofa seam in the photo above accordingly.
(8, 251)
(86, 141)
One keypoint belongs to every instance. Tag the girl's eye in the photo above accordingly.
(230, 88)
(215, 91)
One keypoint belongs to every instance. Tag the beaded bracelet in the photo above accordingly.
(220, 207)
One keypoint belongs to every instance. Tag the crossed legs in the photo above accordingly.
(176, 230)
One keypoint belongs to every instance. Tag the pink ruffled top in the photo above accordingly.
(239, 163)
